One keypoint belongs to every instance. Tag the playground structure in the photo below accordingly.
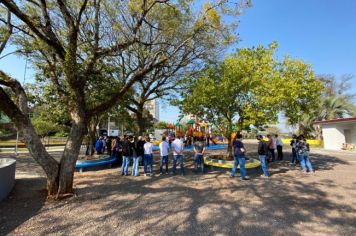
(103, 160)
(195, 129)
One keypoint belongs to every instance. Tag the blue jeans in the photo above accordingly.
(181, 160)
(161, 160)
(135, 166)
(264, 164)
(305, 162)
(147, 159)
(294, 156)
(239, 160)
(125, 165)
(198, 160)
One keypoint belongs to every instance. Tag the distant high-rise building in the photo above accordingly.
(153, 107)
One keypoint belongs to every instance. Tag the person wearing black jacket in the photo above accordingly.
(138, 154)
(127, 152)
(262, 152)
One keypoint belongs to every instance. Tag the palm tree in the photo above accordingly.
(335, 107)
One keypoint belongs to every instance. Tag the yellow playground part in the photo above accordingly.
(250, 164)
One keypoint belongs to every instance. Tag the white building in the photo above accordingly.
(338, 132)
(153, 107)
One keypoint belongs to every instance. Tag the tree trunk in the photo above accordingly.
(71, 152)
(229, 148)
(92, 134)
(140, 120)
(229, 141)
(18, 115)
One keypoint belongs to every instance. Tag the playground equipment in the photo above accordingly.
(101, 161)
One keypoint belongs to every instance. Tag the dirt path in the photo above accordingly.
(289, 203)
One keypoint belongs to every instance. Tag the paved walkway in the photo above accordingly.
(289, 203)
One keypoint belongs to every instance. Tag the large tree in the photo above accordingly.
(72, 42)
(250, 87)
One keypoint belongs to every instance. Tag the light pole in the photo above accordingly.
(108, 125)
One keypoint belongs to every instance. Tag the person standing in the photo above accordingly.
(303, 154)
(99, 145)
(135, 157)
(140, 153)
(262, 152)
(239, 157)
(178, 148)
(126, 154)
(148, 156)
(164, 151)
(279, 144)
(271, 147)
(293, 144)
(199, 149)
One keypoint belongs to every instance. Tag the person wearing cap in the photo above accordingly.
(178, 148)
(262, 151)
(164, 151)
(148, 156)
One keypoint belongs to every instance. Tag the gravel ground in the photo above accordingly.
(289, 203)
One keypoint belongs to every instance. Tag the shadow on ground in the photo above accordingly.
(287, 204)
(24, 202)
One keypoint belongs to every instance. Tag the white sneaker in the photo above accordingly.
(264, 176)
(144, 174)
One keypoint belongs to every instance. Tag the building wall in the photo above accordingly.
(153, 107)
(334, 136)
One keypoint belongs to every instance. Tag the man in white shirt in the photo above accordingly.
(178, 147)
(279, 145)
(164, 151)
(148, 156)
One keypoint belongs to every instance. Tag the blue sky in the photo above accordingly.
(320, 32)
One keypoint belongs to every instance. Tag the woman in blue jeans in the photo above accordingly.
(239, 157)
(262, 151)
(303, 154)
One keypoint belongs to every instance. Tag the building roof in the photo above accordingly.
(341, 120)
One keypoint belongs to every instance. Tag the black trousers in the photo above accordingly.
(279, 152)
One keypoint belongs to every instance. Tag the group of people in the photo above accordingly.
(139, 150)
(265, 150)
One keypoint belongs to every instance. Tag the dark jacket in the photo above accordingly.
(262, 148)
(127, 149)
(139, 147)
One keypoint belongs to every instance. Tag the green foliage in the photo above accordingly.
(160, 125)
(251, 87)
(44, 128)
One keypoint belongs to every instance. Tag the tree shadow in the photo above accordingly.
(107, 203)
(25, 200)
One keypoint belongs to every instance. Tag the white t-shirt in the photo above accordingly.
(178, 147)
(164, 148)
(147, 148)
(279, 141)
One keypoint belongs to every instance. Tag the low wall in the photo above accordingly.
(7, 176)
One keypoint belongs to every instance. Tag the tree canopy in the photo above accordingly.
(251, 87)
